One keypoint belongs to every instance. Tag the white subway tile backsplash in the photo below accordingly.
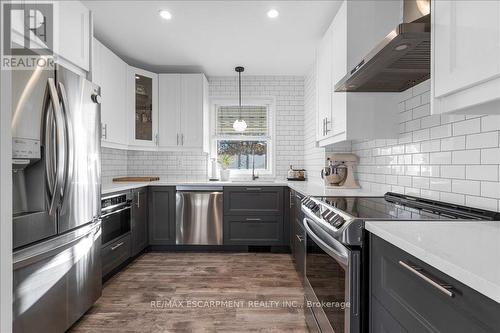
(466, 157)
(453, 158)
(440, 184)
(453, 171)
(441, 131)
(482, 140)
(490, 156)
(440, 158)
(490, 123)
(490, 189)
(466, 186)
(453, 143)
(480, 202)
(467, 127)
(482, 172)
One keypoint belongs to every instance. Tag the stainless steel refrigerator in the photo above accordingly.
(56, 173)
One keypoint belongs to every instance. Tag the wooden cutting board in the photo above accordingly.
(136, 179)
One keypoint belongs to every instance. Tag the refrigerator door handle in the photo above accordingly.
(55, 147)
(68, 154)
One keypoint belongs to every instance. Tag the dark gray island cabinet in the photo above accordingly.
(161, 215)
(408, 295)
(254, 215)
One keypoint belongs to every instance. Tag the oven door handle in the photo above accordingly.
(115, 212)
(336, 250)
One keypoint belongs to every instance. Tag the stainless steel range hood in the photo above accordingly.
(401, 60)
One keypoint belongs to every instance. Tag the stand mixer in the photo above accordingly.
(340, 170)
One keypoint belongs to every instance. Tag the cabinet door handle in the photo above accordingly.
(182, 139)
(254, 188)
(249, 219)
(444, 288)
(116, 246)
(177, 138)
(323, 133)
(138, 199)
(326, 125)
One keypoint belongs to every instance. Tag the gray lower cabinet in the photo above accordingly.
(161, 215)
(253, 230)
(402, 300)
(139, 222)
(115, 253)
(253, 200)
(254, 215)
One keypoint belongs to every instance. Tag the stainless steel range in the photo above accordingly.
(335, 276)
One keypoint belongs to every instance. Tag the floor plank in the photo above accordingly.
(185, 292)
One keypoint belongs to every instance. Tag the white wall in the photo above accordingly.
(289, 94)
(288, 91)
(452, 158)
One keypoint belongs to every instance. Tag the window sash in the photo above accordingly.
(256, 117)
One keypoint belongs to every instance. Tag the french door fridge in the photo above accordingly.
(56, 176)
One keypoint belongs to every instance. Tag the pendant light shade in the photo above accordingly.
(239, 124)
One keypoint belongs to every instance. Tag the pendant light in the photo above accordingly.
(239, 124)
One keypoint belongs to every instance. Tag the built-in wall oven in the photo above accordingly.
(331, 283)
(115, 215)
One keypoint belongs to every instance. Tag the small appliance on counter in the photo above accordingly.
(339, 171)
(296, 174)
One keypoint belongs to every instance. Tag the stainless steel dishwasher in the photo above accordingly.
(198, 211)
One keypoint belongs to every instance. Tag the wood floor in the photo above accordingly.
(178, 292)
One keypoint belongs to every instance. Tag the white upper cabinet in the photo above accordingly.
(324, 55)
(110, 73)
(169, 114)
(183, 113)
(70, 34)
(347, 116)
(142, 88)
(72, 28)
(465, 56)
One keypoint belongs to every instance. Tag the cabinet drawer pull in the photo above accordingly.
(300, 238)
(253, 219)
(254, 188)
(116, 246)
(444, 288)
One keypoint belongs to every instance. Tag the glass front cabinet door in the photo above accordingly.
(144, 127)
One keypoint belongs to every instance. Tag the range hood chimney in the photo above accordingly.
(401, 60)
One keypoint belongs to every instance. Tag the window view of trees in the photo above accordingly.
(241, 153)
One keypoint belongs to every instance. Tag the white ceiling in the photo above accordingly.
(214, 36)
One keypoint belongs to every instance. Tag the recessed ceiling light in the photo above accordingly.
(165, 14)
(273, 13)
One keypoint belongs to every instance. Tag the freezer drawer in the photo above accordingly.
(199, 216)
(57, 281)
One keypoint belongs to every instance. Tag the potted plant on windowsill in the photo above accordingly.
(225, 161)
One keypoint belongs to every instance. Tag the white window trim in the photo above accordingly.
(270, 102)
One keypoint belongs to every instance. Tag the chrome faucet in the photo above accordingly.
(254, 176)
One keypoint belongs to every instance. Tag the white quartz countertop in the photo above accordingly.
(306, 187)
(467, 251)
